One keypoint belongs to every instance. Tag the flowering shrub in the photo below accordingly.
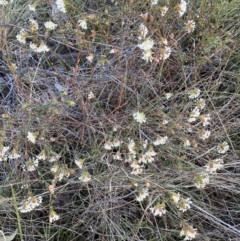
(115, 121)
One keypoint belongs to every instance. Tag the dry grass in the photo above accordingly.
(48, 94)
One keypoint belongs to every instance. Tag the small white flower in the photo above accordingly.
(214, 165)
(164, 122)
(159, 209)
(143, 31)
(82, 23)
(3, 2)
(154, 2)
(201, 104)
(33, 46)
(42, 48)
(192, 94)
(131, 147)
(116, 143)
(31, 203)
(31, 8)
(118, 156)
(186, 142)
(190, 26)
(142, 194)
(147, 55)
(204, 134)
(137, 171)
(86, 177)
(53, 216)
(91, 96)
(168, 95)
(165, 53)
(33, 24)
(223, 148)
(90, 58)
(42, 155)
(194, 114)
(61, 5)
(205, 119)
(175, 197)
(160, 140)
(182, 7)
(201, 180)
(54, 157)
(189, 232)
(21, 36)
(184, 204)
(163, 10)
(108, 145)
(55, 168)
(32, 136)
(135, 165)
(146, 45)
(139, 117)
(79, 162)
(50, 25)
(14, 155)
(3, 152)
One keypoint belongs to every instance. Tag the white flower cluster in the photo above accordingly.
(30, 204)
(3, 2)
(146, 46)
(189, 232)
(61, 5)
(53, 216)
(4, 153)
(142, 194)
(139, 117)
(201, 180)
(182, 8)
(42, 48)
(82, 23)
(159, 209)
(85, 177)
(50, 25)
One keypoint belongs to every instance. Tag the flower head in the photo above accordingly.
(192, 94)
(50, 25)
(86, 177)
(79, 162)
(91, 96)
(214, 165)
(165, 53)
(160, 140)
(146, 45)
(159, 209)
(223, 148)
(147, 55)
(3, 2)
(143, 31)
(190, 26)
(201, 180)
(53, 216)
(175, 197)
(42, 48)
(204, 134)
(31, 136)
(139, 117)
(182, 7)
(21, 36)
(142, 194)
(61, 5)
(82, 23)
(163, 10)
(184, 204)
(189, 232)
(90, 58)
(31, 8)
